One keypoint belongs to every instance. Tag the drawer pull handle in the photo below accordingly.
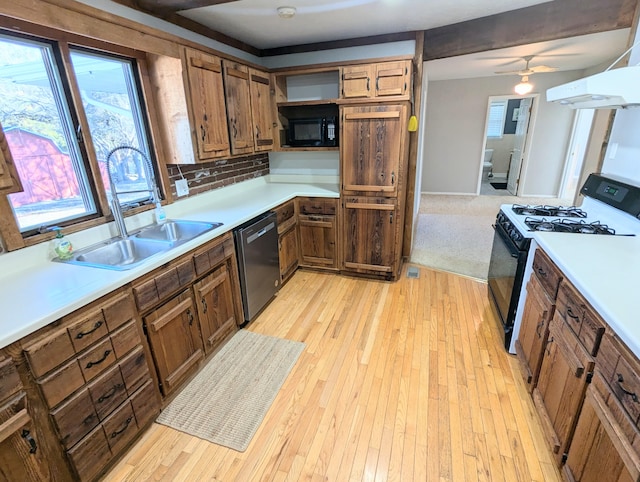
(204, 305)
(97, 362)
(33, 446)
(540, 325)
(542, 272)
(115, 433)
(633, 395)
(570, 313)
(85, 333)
(190, 315)
(110, 393)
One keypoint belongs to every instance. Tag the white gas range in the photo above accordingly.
(611, 208)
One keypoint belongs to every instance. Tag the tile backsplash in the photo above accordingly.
(212, 175)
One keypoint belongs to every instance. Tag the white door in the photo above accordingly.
(519, 141)
(575, 155)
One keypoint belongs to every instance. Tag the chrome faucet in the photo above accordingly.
(152, 189)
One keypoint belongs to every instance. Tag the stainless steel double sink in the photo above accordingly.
(126, 253)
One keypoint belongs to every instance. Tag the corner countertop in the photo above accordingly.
(35, 291)
(606, 270)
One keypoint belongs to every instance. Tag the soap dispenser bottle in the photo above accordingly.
(61, 245)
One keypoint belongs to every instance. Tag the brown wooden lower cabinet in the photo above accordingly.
(318, 241)
(216, 307)
(21, 456)
(566, 367)
(604, 446)
(176, 343)
(370, 233)
(534, 330)
(288, 251)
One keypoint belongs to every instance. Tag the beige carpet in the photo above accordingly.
(454, 233)
(226, 402)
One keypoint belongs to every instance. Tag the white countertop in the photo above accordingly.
(35, 291)
(606, 270)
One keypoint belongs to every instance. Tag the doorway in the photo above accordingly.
(576, 153)
(506, 144)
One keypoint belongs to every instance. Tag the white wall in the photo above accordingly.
(622, 158)
(454, 134)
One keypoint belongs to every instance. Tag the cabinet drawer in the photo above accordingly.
(163, 284)
(626, 387)
(87, 331)
(107, 392)
(146, 404)
(90, 455)
(61, 383)
(284, 212)
(547, 273)
(209, 257)
(75, 418)
(97, 360)
(316, 205)
(120, 427)
(125, 339)
(9, 379)
(49, 352)
(579, 316)
(135, 370)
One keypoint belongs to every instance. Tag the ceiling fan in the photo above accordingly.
(529, 70)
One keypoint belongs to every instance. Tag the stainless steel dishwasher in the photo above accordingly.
(258, 262)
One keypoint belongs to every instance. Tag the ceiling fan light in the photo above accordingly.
(524, 87)
(286, 12)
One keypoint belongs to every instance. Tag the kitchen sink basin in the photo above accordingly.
(118, 254)
(175, 231)
(122, 254)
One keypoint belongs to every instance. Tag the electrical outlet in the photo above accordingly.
(182, 187)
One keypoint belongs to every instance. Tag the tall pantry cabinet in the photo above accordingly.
(373, 156)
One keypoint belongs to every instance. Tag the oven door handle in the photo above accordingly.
(513, 249)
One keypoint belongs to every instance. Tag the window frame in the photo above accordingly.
(503, 103)
(65, 42)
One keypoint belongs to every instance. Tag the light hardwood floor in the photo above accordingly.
(402, 381)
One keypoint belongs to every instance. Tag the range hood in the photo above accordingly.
(611, 89)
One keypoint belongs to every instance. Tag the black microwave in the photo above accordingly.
(313, 132)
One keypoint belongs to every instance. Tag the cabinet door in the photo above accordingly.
(214, 296)
(206, 96)
(558, 396)
(371, 148)
(534, 329)
(288, 252)
(356, 82)
(262, 109)
(20, 456)
(318, 241)
(175, 340)
(9, 180)
(601, 449)
(393, 78)
(236, 85)
(370, 228)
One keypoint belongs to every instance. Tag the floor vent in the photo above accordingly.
(412, 272)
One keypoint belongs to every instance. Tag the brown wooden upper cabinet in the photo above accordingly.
(377, 81)
(237, 92)
(206, 96)
(372, 149)
(262, 109)
(9, 180)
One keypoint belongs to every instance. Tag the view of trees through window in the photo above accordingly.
(42, 129)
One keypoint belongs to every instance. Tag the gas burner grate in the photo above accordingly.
(568, 226)
(552, 211)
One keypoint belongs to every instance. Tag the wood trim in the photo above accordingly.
(176, 377)
(167, 317)
(370, 267)
(377, 207)
(546, 21)
(203, 64)
(331, 66)
(11, 426)
(360, 187)
(373, 115)
(338, 44)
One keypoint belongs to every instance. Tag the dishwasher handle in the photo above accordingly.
(262, 232)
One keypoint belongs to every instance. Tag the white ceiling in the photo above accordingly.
(257, 23)
(575, 53)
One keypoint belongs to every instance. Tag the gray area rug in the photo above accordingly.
(226, 402)
(454, 233)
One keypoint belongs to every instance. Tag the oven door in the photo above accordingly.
(506, 270)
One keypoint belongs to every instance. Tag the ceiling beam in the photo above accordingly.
(177, 5)
(539, 23)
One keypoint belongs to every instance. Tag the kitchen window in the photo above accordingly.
(60, 144)
(495, 123)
